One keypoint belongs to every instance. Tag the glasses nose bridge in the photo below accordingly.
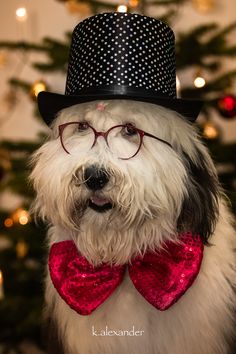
(103, 134)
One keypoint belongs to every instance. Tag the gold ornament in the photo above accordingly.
(21, 249)
(76, 7)
(204, 6)
(210, 131)
(37, 87)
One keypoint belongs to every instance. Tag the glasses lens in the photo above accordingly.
(124, 141)
(77, 138)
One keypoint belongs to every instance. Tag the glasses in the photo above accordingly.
(124, 141)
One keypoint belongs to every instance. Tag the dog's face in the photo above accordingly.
(121, 192)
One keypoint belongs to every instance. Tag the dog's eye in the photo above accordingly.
(129, 130)
(82, 126)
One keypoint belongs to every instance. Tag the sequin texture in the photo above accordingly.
(80, 284)
(161, 277)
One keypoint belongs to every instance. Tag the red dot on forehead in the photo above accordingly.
(101, 106)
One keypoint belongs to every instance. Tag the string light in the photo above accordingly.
(37, 87)
(1, 286)
(21, 14)
(24, 218)
(204, 6)
(78, 7)
(122, 8)
(178, 87)
(3, 59)
(199, 82)
(8, 222)
(133, 3)
(21, 216)
(21, 249)
(210, 131)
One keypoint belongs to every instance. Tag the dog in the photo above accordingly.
(143, 202)
(141, 243)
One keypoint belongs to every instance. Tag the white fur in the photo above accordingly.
(147, 192)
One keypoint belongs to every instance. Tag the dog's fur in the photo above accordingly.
(155, 195)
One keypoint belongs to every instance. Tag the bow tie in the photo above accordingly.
(161, 277)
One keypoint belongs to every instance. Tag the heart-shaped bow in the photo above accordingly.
(161, 277)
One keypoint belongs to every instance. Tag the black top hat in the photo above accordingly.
(120, 56)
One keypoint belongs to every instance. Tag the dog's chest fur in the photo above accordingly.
(199, 323)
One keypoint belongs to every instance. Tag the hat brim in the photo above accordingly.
(50, 104)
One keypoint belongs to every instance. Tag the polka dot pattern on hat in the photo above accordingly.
(122, 49)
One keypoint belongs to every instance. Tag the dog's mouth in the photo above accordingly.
(99, 204)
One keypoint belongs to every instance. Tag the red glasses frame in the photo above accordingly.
(141, 133)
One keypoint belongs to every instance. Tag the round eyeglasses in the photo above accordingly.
(124, 140)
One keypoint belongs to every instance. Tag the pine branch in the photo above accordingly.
(168, 17)
(227, 29)
(216, 85)
(222, 82)
(218, 45)
(21, 45)
(24, 85)
(21, 145)
(195, 48)
(151, 2)
(166, 2)
(57, 52)
(99, 4)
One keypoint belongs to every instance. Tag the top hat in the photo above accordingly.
(120, 56)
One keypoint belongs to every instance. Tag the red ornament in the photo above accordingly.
(227, 106)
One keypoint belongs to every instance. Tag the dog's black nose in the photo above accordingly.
(95, 178)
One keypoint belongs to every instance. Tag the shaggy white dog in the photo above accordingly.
(141, 203)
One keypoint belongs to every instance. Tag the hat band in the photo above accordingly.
(121, 90)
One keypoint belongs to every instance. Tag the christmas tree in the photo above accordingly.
(22, 241)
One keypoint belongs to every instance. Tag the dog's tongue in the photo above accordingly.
(99, 201)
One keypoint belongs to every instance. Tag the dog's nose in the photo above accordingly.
(95, 178)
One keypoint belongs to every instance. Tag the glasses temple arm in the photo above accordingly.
(154, 137)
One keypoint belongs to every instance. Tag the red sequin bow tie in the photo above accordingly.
(161, 277)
